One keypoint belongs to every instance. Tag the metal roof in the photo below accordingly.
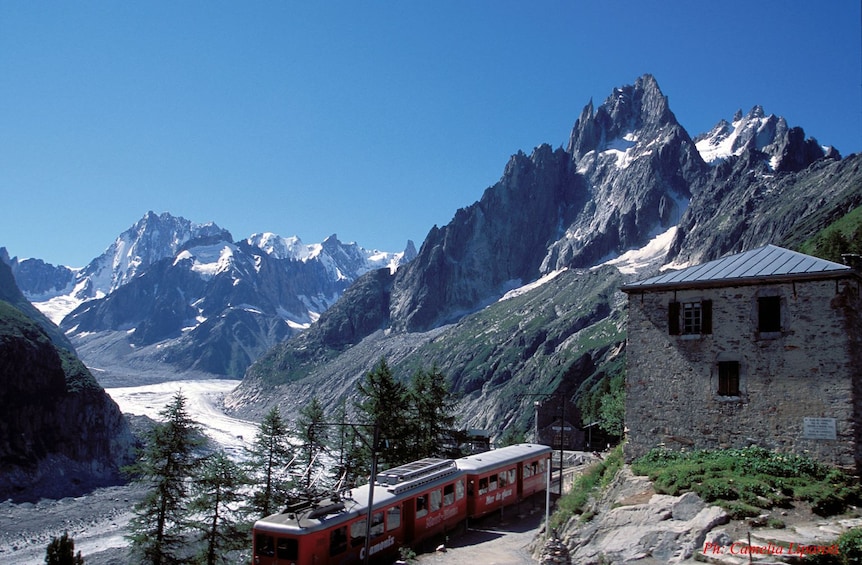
(769, 261)
(497, 457)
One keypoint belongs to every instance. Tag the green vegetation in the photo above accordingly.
(545, 341)
(268, 461)
(412, 418)
(61, 551)
(849, 551)
(596, 477)
(602, 399)
(749, 480)
(165, 465)
(842, 236)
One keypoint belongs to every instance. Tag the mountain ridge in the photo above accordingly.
(630, 176)
(187, 297)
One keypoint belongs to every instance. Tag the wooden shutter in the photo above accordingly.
(706, 316)
(673, 318)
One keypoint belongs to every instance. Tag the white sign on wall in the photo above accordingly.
(818, 428)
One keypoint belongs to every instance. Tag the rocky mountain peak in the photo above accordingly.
(784, 149)
(641, 106)
(279, 247)
(151, 239)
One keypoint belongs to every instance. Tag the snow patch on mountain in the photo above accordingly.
(282, 247)
(533, 285)
(753, 131)
(209, 260)
(624, 149)
(637, 260)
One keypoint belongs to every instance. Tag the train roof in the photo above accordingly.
(499, 457)
(390, 486)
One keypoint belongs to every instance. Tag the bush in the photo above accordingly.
(739, 510)
(753, 476)
(61, 551)
(849, 551)
(850, 546)
(597, 475)
(711, 490)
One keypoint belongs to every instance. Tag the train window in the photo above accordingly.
(528, 471)
(264, 545)
(483, 485)
(338, 541)
(492, 482)
(459, 490)
(393, 518)
(421, 506)
(377, 526)
(513, 476)
(436, 500)
(357, 533)
(449, 494)
(287, 548)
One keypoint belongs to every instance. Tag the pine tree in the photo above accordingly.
(217, 494)
(433, 412)
(314, 435)
(167, 464)
(385, 402)
(350, 465)
(61, 551)
(269, 460)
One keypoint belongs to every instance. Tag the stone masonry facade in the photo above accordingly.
(733, 385)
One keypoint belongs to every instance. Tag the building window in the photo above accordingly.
(769, 314)
(690, 318)
(728, 378)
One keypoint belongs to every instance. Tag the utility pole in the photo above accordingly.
(375, 449)
(562, 398)
(373, 479)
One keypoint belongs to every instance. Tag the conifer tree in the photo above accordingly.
(385, 402)
(217, 493)
(433, 412)
(167, 465)
(61, 551)
(269, 460)
(349, 465)
(314, 435)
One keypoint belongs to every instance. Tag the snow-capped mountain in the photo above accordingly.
(769, 135)
(343, 261)
(169, 290)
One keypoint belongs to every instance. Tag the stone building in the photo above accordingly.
(759, 348)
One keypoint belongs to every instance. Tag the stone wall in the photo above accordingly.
(807, 370)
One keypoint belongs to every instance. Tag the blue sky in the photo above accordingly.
(371, 120)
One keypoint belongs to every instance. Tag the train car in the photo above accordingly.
(504, 476)
(410, 503)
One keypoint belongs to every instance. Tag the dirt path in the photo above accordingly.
(492, 541)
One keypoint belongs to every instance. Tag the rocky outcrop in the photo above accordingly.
(746, 205)
(60, 434)
(491, 246)
(39, 277)
(11, 293)
(633, 524)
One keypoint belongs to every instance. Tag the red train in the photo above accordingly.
(411, 503)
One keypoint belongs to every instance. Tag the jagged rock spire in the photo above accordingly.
(641, 106)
